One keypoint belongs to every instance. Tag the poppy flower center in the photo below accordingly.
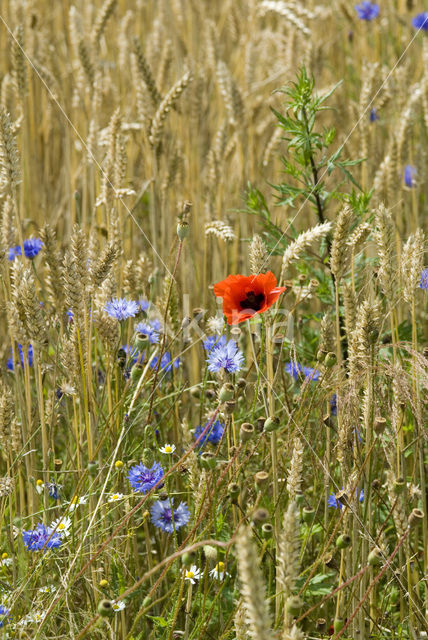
(253, 301)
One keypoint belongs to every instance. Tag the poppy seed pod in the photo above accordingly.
(267, 530)
(294, 605)
(183, 230)
(234, 491)
(375, 557)
(399, 485)
(261, 478)
(308, 514)
(226, 393)
(141, 340)
(229, 407)
(241, 383)
(416, 516)
(271, 424)
(259, 516)
(299, 497)
(379, 425)
(105, 608)
(321, 355)
(320, 624)
(137, 371)
(93, 467)
(260, 423)
(246, 431)
(208, 460)
(338, 624)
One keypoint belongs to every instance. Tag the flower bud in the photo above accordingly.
(210, 553)
(271, 424)
(118, 464)
(105, 608)
(321, 355)
(148, 457)
(330, 359)
(147, 602)
(226, 392)
(343, 541)
(103, 583)
(246, 431)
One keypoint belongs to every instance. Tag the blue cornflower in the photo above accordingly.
(166, 362)
(120, 308)
(142, 479)
(29, 358)
(373, 115)
(41, 538)
(70, 315)
(32, 247)
(149, 331)
(421, 21)
(4, 614)
(295, 369)
(144, 304)
(410, 175)
(162, 516)
(332, 502)
(227, 357)
(214, 341)
(424, 279)
(367, 11)
(214, 433)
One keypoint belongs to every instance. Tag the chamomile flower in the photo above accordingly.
(30, 618)
(168, 448)
(219, 572)
(76, 502)
(5, 561)
(49, 588)
(115, 497)
(118, 606)
(192, 574)
(62, 526)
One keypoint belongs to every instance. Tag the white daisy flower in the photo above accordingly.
(62, 526)
(77, 501)
(49, 588)
(119, 605)
(168, 448)
(115, 496)
(5, 562)
(37, 616)
(192, 574)
(219, 571)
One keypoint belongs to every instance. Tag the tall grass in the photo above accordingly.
(147, 151)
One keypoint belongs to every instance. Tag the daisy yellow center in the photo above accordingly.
(190, 574)
(115, 497)
(220, 567)
(61, 525)
(168, 449)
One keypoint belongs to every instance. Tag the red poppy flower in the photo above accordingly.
(244, 296)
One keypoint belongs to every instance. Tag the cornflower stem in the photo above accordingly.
(45, 446)
(162, 349)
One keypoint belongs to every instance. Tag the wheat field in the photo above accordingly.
(213, 365)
